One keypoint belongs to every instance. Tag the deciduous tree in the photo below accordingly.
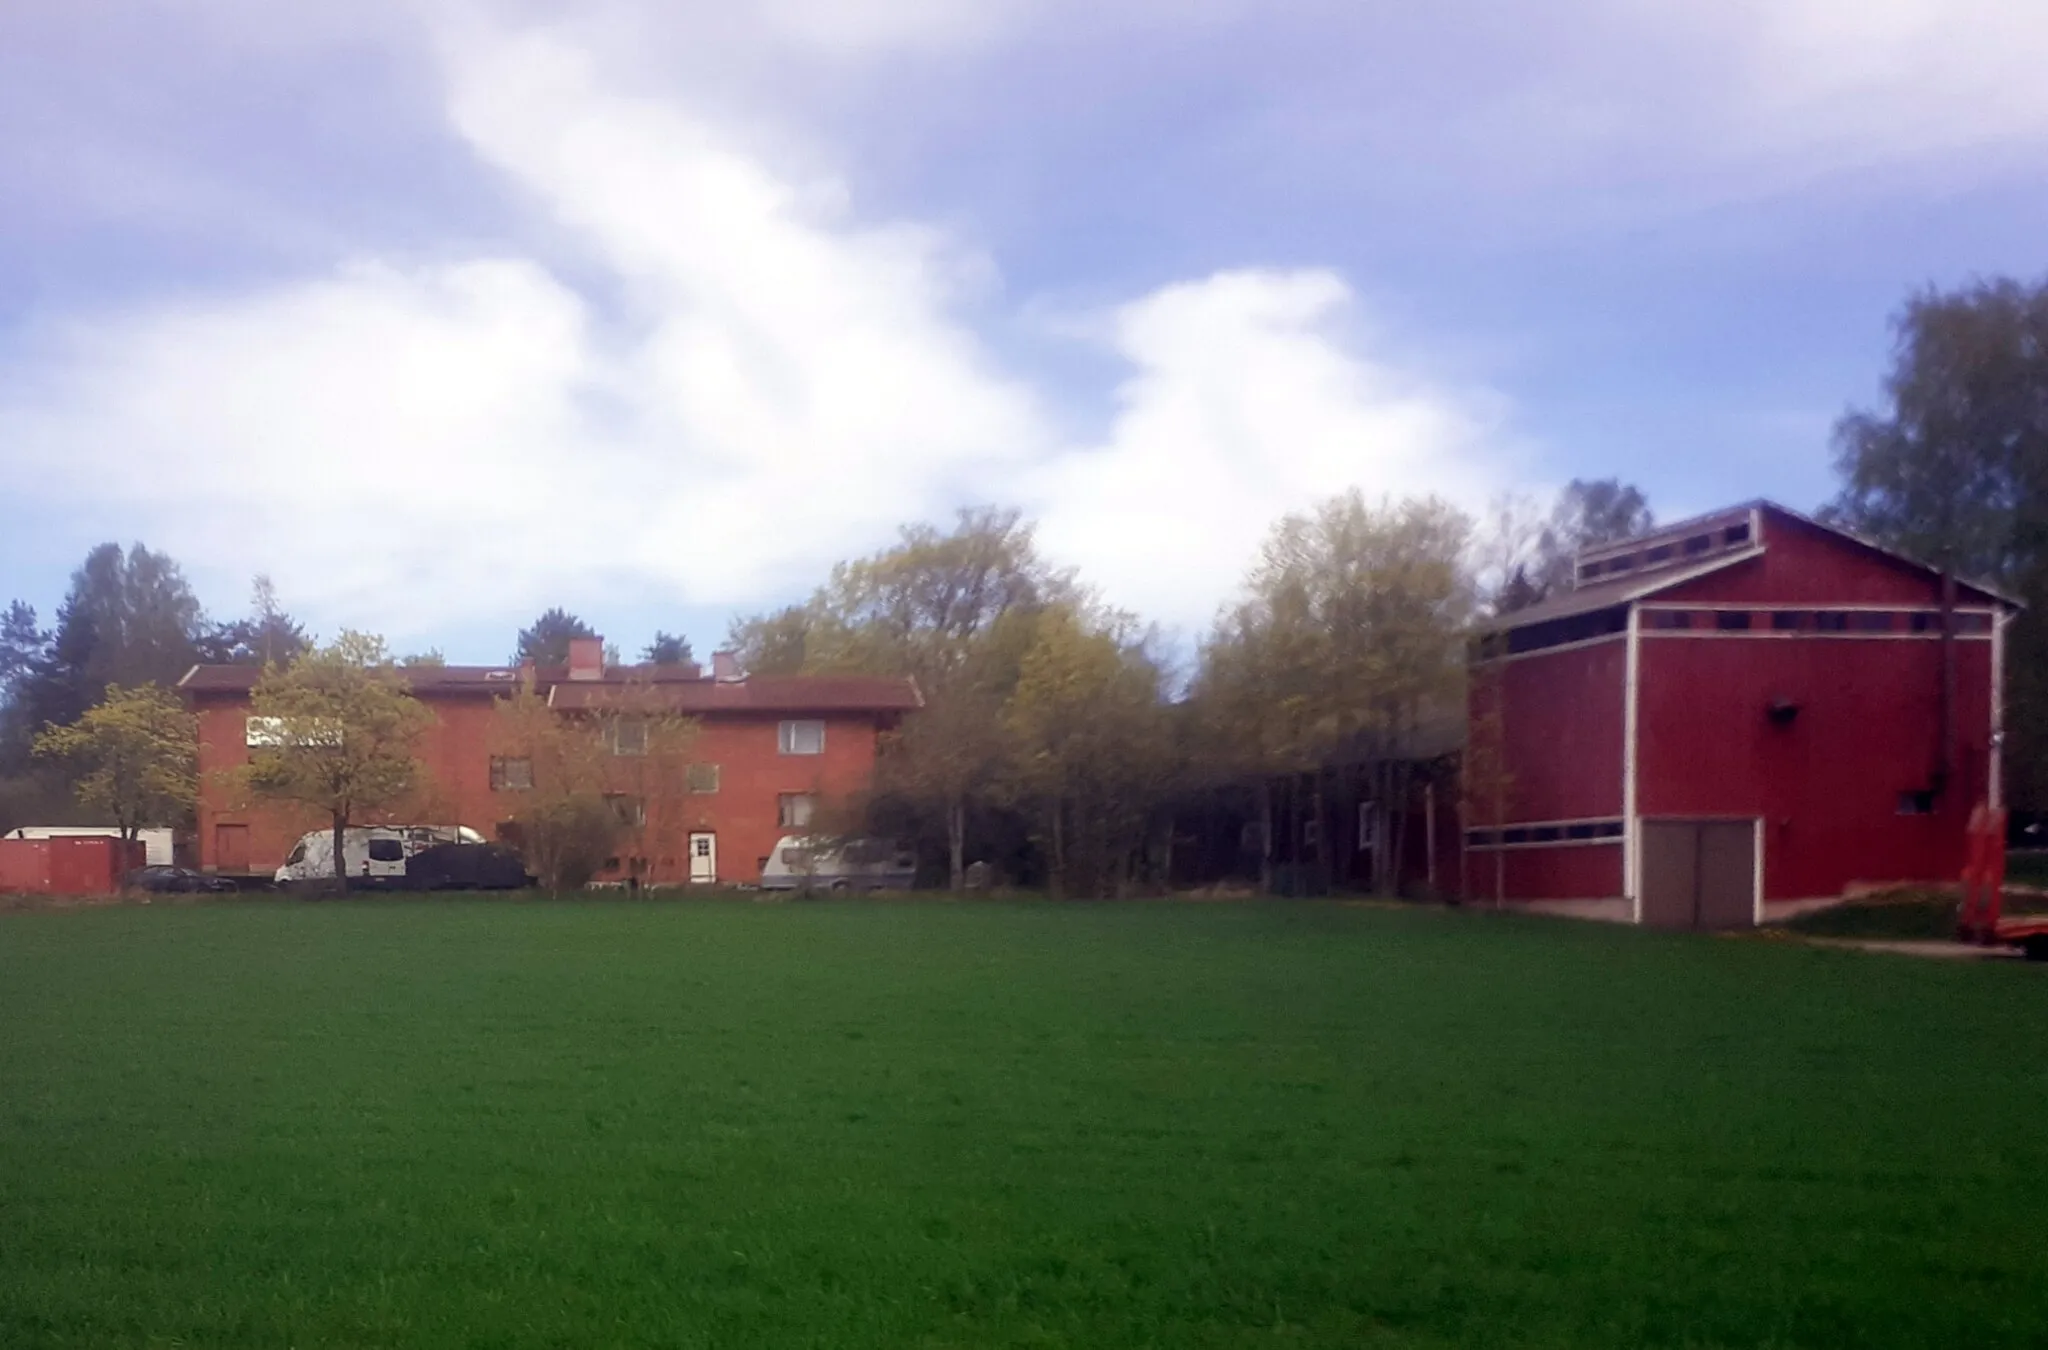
(1952, 468)
(1350, 629)
(584, 784)
(344, 727)
(133, 757)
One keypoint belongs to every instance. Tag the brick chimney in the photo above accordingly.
(586, 658)
(726, 666)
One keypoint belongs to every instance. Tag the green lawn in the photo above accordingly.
(724, 1125)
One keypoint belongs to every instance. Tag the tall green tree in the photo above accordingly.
(268, 635)
(667, 649)
(1350, 630)
(1952, 468)
(133, 757)
(948, 608)
(547, 642)
(1092, 751)
(345, 730)
(128, 619)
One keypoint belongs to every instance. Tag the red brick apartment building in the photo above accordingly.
(1727, 719)
(767, 752)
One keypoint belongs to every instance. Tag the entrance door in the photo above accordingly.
(1699, 873)
(231, 849)
(703, 859)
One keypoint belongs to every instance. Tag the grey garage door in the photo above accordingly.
(1699, 873)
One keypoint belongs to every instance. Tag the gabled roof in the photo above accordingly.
(755, 694)
(1642, 585)
(1586, 599)
(672, 688)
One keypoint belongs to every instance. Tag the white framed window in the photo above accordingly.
(511, 773)
(629, 736)
(802, 738)
(701, 779)
(269, 732)
(630, 810)
(793, 810)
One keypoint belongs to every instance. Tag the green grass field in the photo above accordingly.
(719, 1124)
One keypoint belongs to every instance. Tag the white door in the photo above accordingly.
(703, 859)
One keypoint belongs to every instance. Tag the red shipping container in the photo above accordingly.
(76, 866)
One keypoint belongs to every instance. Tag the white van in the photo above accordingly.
(800, 863)
(156, 844)
(376, 852)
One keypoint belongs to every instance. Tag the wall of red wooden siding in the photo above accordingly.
(1574, 872)
(1803, 565)
(1827, 784)
(1561, 729)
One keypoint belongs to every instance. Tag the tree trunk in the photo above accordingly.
(1058, 879)
(1265, 835)
(956, 841)
(340, 854)
(1322, 834)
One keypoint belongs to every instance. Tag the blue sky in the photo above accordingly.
(443, 313)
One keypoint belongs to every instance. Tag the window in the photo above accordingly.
(511, 774)
(267, 732)
(1870, 621)
(793, 810)
(629, 810)
(1736, 534)
(1788, 620)
(1577, 628)
(1916, 803)
(1670, 618)
(629, 736)
(702, 778)
(1698, 544)
(802, 738)
(1311, 833)
(1625, 563)
(1732, 620)
(1662, 553)
(1831, 621)
(1973, 623)
(1587, 571)
(1923, 622)
(386, 851)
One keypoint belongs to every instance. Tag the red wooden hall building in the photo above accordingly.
(1727, 719)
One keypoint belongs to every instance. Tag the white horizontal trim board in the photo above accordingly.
(1797, 633)
(1810, 606)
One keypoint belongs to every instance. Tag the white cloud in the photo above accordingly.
(1248, 403)
(732, 383)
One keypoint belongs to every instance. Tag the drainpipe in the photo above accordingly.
(1944, 768)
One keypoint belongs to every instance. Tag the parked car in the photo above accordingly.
(374, 855)
(466, 867)
(803, 864)
(165, 879)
